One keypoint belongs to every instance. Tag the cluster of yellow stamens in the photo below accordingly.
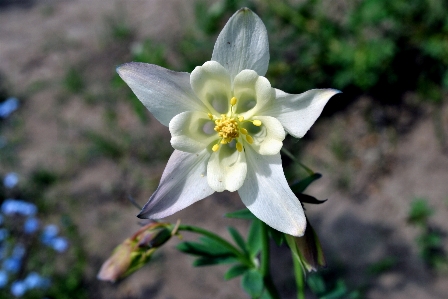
(228, 128)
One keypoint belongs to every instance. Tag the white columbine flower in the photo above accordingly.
(227, 125)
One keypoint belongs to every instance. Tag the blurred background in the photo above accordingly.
(76, 144)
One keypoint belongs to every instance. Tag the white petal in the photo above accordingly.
(192, 131)
(183, 182)
(243, 44)
(211, 83)
(267, 195)
(298, 112)
(253, 93)
(165, 93)
(226, 169)
(269, 138)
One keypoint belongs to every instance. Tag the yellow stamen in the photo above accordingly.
(243, 131)
(249, 139)
(256, 122)
(239, 147)
(215, 147)
(241, 118)
(233, 101)
(227, 128)
(210, 116)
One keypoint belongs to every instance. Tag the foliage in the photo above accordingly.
(430, 239)
(372, 46)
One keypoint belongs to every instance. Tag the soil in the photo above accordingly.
(371, 171)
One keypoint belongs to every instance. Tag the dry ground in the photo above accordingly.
(369, 186)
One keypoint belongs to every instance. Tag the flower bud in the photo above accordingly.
(117, 265)
(307, 249)
(135, 251)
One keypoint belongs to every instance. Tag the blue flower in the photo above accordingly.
(10, 180)
(15, 206)
(19, 251)
(3, 278)
(49, 233)
(12, 264)
(60, 244)
(31, 225)
(18, 288)
(8, 107)
(34, 281)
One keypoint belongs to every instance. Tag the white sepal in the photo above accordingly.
(164, 93)
(267, 195)
(298, 112)
(243, 44)
(183, 182)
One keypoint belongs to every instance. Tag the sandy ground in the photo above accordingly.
(369, 189)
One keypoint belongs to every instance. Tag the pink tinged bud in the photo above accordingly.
(154, 239)
(135, 251)
(117, 265)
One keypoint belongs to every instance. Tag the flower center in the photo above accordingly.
(228, 128)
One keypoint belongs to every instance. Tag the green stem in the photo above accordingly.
(300, 281)
(191, 228)
(264, 267)
(291, 156)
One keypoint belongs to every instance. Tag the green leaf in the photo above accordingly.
(252, 283)
(419, 212)
(238, 239)
(241, 214)
(277, 236)
(301, 185)
(235, 271)
(254, 241)
(309, 199)
(218, 260)
(204, 250)
(214, 245)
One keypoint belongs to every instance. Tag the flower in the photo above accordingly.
(60, 244)
(227, 125)
(31, 225)
(10, 180)
(18, 288)
(8, 107)
(15, 206)
(35, 281)
(3, 278)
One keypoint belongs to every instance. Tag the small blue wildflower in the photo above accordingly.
(30, 225)
(18, 288)
(10, 180)
(15, 206)
(12, 264)
(3, 278)
(49, 233)
(34, 281)
(19, 251)
(8, 107)
(60, 244)
(4, 233)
